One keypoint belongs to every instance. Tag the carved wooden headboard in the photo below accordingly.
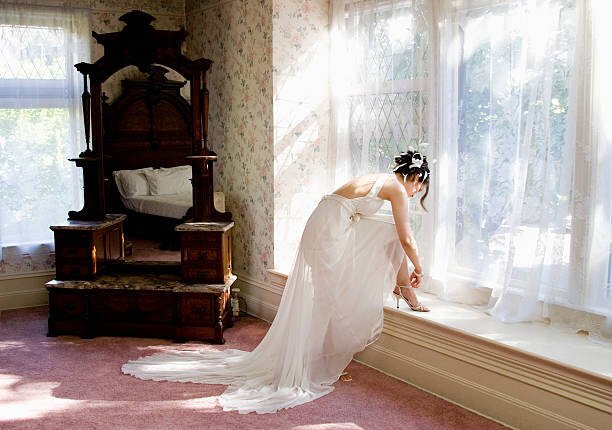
(148, 125)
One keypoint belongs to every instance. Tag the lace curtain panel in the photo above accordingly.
(509, 97)
(41, 127)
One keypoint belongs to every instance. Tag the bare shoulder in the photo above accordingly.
(392, 190)
(356, 187)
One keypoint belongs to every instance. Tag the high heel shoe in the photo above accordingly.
(398, 295)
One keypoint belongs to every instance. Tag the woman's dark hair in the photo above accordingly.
(413, 165)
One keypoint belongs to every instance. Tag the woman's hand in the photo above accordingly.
(415, 279)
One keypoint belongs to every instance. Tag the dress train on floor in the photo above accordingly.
(331, 308)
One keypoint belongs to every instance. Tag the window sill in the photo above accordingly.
(536, 339)
(524, 375)
(533, 338)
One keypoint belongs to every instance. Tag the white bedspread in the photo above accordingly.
(168, 205)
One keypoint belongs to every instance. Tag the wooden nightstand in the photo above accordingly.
(206, 251)
(82, 248)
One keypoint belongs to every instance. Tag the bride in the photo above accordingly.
(332, 304)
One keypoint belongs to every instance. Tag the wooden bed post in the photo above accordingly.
(91, 160)
(203, 158)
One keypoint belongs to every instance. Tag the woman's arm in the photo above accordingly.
(398, 198)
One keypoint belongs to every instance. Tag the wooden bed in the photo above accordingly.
(148, 125)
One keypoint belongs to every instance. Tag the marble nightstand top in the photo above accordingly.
(205, 226)
(149, 282)
(71, 224)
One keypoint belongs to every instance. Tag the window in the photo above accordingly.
(512, 98)
(386, 98)
(384, 90)
(513, 177)
(40, 120)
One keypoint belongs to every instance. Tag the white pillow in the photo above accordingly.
(172, 180)
(132, 183)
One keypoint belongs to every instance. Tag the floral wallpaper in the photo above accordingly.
(28, 259)
(269, 117)
(301, 118)
(237, 36)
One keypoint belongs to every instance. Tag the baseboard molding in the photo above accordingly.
(466, 393)
(506, 385)
(262, 299)
(512, 387)
(24, 291)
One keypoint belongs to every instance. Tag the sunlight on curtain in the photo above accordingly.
(40, 128)
(512, 96)
(513, 165)
(381, 65)
(381, 88)
(591, 245)
(517, 140)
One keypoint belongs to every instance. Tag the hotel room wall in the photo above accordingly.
(237, 37)
(301, 118)
(269, 117)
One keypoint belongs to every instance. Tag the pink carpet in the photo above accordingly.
(72, 383)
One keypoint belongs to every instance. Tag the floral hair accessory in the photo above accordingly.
(417, 160)
(412, 161)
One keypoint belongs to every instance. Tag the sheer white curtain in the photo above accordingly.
(591, 245)
(524, 162)
(511, 95)
(40, 128)
(381, 89)
(380, 67)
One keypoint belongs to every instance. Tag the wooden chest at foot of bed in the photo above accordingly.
(206, 251)
(139, 305)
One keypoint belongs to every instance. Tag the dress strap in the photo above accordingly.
(377, 185)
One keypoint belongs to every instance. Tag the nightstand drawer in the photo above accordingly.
(76, 253)
(199, 310)
(67, 305)
(201, 240)
(83, 248)
(202, 274)
(206, 256)
(194, 255)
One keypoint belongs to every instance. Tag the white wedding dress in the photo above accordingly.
(331, 308)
